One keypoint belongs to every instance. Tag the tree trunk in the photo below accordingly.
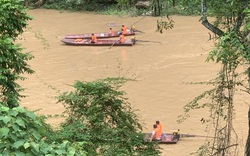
(206, 23)
(174, 3)
(247, 153)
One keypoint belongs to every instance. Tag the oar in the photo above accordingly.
(137, 21)
(148, 41)
(135, 30)
(113, 44)
(132, 25)
(191, 135)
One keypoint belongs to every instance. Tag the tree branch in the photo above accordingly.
(206, 23)
(240, 17)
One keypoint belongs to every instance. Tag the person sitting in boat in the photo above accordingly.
(93, 38)
(132, 29)
(133, 40)
(111, 32)
(159, 125)
(122, 38)
(156, 133)
(124, 30)
(78, 40)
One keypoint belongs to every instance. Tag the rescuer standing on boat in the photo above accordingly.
(122, 39)
(93, 38)
(124, 30)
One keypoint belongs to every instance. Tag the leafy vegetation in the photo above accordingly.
(13, 62)
(22, 133)
(231, 27)
(98, 114)
(99, 120)
(155, 8)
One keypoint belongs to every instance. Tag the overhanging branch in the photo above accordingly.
(206, 23)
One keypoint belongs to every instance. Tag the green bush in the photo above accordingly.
(99, 114)
(22, 132)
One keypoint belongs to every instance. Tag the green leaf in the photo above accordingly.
(4, 131)
(2, 145)
(4, 109)
(6, 119)
(13, 112)
(35, 146)
(60, 152)
(15, 127)
(31, 115)
(20, 122)
(18, 153)
(20, 109)
(26, 145)
(18, 143)
(36, 135)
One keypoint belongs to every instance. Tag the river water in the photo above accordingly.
(162, 70)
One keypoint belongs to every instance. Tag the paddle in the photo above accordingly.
(114, 44)
(137, 21)
(191, 135)
(148, 41)
(135, 30)
(132, 25)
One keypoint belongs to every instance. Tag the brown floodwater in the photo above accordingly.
(162, 70)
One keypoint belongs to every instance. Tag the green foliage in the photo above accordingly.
(228, 50)
(13, 63)
(247, 26)
(13, 19)
(203, 150)
(157, 7)
(100, 115)
(118, 11)
(190, 7)
(81, 5)
(126, 3)
(22, 132)
(164, 25)
(231, 51)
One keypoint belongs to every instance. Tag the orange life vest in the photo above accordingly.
(124, 30)
(122, 39)
(94, 38)
(159, 126)
(157, 133)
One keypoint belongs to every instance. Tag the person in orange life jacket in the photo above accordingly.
(159, 125)
(122, 39)
(93, 38)
(111, 32)
(124, 30)
(156, 133)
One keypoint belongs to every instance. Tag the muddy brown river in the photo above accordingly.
(161, 70)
